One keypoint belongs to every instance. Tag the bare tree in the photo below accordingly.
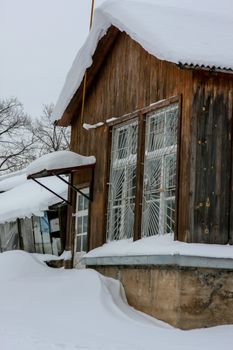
(16, 139)
(49, 137)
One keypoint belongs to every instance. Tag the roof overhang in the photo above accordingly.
(103, 47)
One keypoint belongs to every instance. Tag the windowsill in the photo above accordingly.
(161, 250)
(160, 260)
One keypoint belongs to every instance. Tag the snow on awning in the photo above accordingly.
(9, 181)
(173, 30)
(60, 162)
(29, 199)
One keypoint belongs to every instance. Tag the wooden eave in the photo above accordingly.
(104, 46)
(98, 58)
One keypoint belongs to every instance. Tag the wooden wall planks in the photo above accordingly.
(131, 79)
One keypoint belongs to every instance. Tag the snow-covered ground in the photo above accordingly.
(48, 309)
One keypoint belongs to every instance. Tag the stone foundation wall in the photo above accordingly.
(184, 297)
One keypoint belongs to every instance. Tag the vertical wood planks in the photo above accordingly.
(210, 207)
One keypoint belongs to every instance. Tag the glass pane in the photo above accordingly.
(170, 215)
(116, 222)
(171, 126)
(156, 132)
(86, 203)
(80, 202)
(170, 173)
(84, 245)
(79, 244)
(85, 220)
(152, 178)
(80, 225)
(122, 144)
(134, 138)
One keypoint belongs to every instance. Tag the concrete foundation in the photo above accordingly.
(185, 297)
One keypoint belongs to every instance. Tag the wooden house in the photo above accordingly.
(158, 119)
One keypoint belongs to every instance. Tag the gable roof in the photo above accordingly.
(188, 33)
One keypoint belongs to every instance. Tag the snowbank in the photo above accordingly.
(176, 31)
(29, 199)
(58, 160)
(161, 245)
(19, 264)
(52, 309)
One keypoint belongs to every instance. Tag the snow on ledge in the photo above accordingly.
(160, 245)
(58, 160)
(92, 126)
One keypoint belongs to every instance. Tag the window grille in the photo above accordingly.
(158, 207)
(122, 182)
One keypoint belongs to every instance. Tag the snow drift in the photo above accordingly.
(44, 308)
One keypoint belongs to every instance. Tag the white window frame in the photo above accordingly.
(83, 213)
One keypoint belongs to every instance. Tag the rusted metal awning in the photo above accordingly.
(64, 171)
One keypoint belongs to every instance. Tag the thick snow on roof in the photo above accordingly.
(29, 199)
(10, 182)
(198, 33)
(58, 160)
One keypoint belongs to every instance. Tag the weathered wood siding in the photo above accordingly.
(130, 79)
(211, 147)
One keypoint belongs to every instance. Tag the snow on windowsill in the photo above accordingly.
(160, 245)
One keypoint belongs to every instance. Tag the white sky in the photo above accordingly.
(38, 43)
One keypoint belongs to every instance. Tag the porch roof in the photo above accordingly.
(60, 162)
(28, 199)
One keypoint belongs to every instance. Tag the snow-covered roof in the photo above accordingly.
(178, 31)
(58, 160)
(29, 199)
(12, 180)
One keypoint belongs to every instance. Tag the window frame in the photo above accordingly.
(81, 214)
(140, 115)
(123, 165)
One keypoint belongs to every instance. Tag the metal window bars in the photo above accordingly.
(122, 182)
(158, 207)
(159, 181)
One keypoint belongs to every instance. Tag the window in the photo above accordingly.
(122, 182)
(159, 184)
(81, 221)
(157, 175)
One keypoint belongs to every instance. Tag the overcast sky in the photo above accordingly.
(38, 43)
